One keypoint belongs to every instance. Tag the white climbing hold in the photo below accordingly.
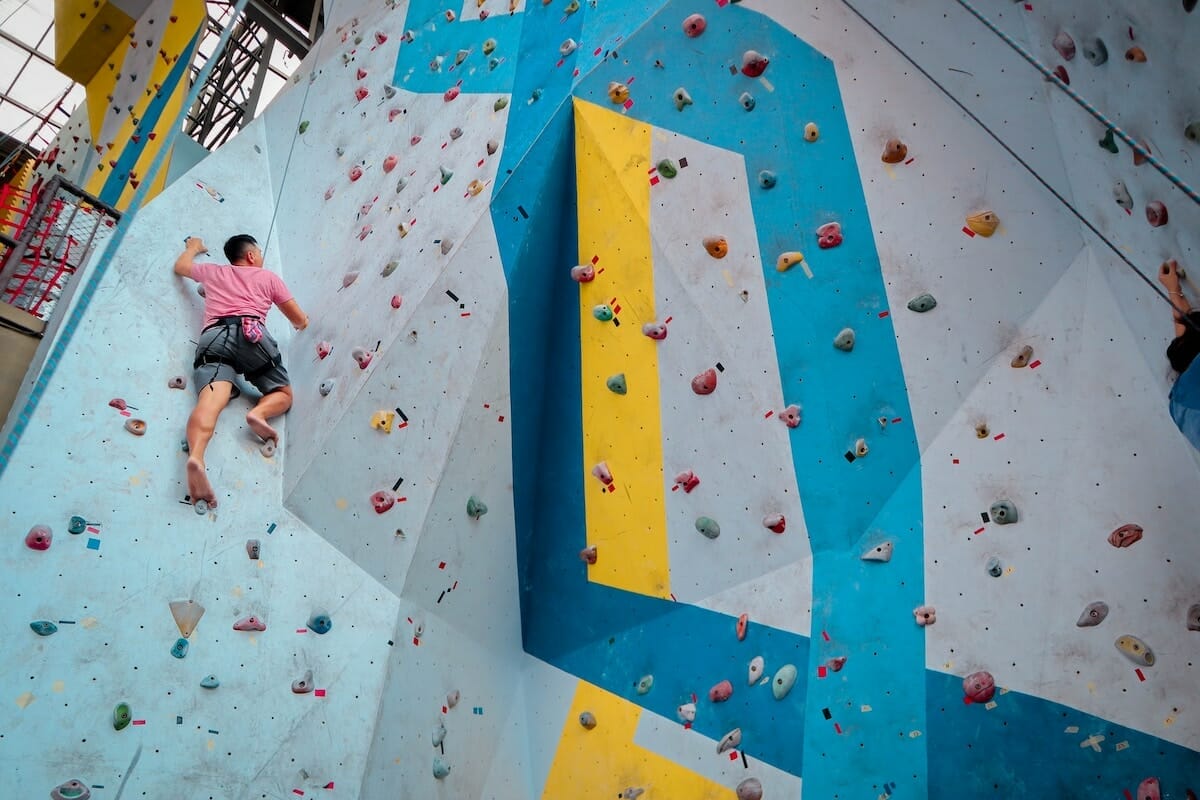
(755, 673)
(452, 698)
(880, 552)
(687, 712)
(730, 740)
(844, 340)
(567, 47)
(439, 734)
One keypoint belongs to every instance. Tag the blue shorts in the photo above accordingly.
(223, 353)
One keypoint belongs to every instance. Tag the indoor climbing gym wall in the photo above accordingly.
(708, 399)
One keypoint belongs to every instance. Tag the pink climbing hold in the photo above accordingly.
(392, 114)
(1125, 536)
(355, 173)
(390, 163)
(602, 473)
(362, 356)
(776, 523)
(361, 93)
(695, 25)
(39, 537)
(396, 301)
(721, 692)
(450, 94)
(250, 623)
(362, 73)
(380, 37)
(978, 687)
(382, 501)
(925, 615)
(1149, 789)
(1065, 45)
(118, 404)
(1156, 213)
(829, 235)
(687, 481)
(754, 63)
(790, 416)
(836, 663)
(324, 349)
(588, 554)
(655, 330)
(583, 273)
(414, 141)
(705, 382)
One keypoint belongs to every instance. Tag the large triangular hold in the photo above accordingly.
(187, 614)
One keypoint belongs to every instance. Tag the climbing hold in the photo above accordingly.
(811, 132)
(790, 416)
(567, 47)
(475, 187)
(894, 151)
(1022, 358)
(785, 679)
(440, 767)
(829, 235)
(349, 278)
(618, 93)
(500, 104)
(122, 716)
(400, 184)
(1093, 614)
(135, 426)
(326, 387)
(1109, 142)
(1156, 214)
(320, 623)
(324, 349)
(694, 25)
(43, 627)
(687, 481)
(489, 46)
(588, 555)
(572, 7)
(1125, 536)
(71, 790)
(444, 175)
(705, 382)
(1122, 196)
(844, 340)
(717, 246)
(447, 246)
(682, 99)
(362, 356)
(187, 614)
(743, 625)
(750, 789)
(708, 526)
(767, 179)
(602, 473)
(747, 101)
(880, 552)
(452, 698)
(180, 648)
(456, 133)
(994, 567)
(588, 720)
(984, 223)
(776, 523)
(476, 508)
(390, 162)
(209, 682)
(382, 420)
(494, 62)
(1003, 512)
(860, 448)
(616, 383)
(667, 168)
(118, 404)
(730, 740)
(1193, 617)
(1065, 45)
(1135, 55)
(39, 537)
(303, 685)
(250, 623)
(602, 312)
(787, 260)
(1192, 131)
(925, 615)
(583, 273)
(721, 692)
(355, 173)
(1095, 51)
(439, 734)
(397, 301)
(755, 673)
(1149, 789)
(686, 712)
(1060, 72)
(754, 63)
(361, 93)
(979, 687)
(645, 684)
(77, 525)
(655, 330)
(177, 382)
(253, 549)
(922, 303)
(836, 663)
(1135, 650)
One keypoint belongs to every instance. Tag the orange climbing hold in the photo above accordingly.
(984, 223)
(717, 246)
(894, 151)
(1135, 55)
(743, 624)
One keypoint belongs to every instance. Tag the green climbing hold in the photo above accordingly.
(446, 175)
(616, 384)
(390, 268)
(476, 508)
(209, 682)
(709, 527)
(501, 103)
(645, 684)
(603, 312)
(122, 716)
(1109, 142)
(489, 46)
(922, 303)
(1095, 51)
(43, 627)
(303, 126)
(180, 648)
(77, 525)
(784, 680)
(667, 168)
(493, 62)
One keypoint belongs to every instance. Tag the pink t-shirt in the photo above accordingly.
(231, 291)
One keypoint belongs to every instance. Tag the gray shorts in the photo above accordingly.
(223, 353)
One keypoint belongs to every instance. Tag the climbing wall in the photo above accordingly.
(696, 402)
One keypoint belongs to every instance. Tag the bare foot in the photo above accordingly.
(261, 428)
(198, 486)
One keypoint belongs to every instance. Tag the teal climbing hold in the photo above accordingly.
(709, 527)
(645, 684)
(209, 682)
(784, 680)
(603, 312)
(922, 303)
(616, 384)
(320, 623)
(122, 716)
(446, 175)
(1095, 51)
(667, 168)
(43, 627)
(77, 525)
(180, 648)
(1003, 512)
(1109, 142)
(476, 508)
(71, 790)
(767, 179)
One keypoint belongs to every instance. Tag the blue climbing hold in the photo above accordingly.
(180, 648)
(320, 623)
(43, 627)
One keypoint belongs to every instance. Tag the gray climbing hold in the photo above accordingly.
(439, 734)
(253, 549)
(43, 627)
(349, 278)
(784, 680)
(588, 720)
(452, 698)
(71, 790)
(476, 508)
(730, 740)
(755, 672)
(844, 340)
(492, 147)
(747, 101)
(1193, 617)
(682, 98)
(616, 384)
(267, 448)
(686, 712)
(440, 768)
(447, 246)
(456, 133)
(209, 682)
(750, 789)
(632, 793)
(303, 685)
(645, 684)
(1192, 131)
(922, 303)
(1135, 650)
(444, 175)
(1121, 195)
(1093, 614)
(880, 552)
(1095, 51)
(400, 184)
(200, 507)
(1003, 512)
(994, 567)
(767, 179)
(326, 387)
(180, 648)
(708, 526)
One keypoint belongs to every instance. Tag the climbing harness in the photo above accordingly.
(251, 329)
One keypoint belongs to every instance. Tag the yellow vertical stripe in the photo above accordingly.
(603, 762)
(628, 524)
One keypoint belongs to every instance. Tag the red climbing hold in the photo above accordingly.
(588, 554)
(362, 356)
(694, 25)
(382, 501)
(1156, 213)
(829, 235)
(602, 473)
(324, 349)
(978, 687)
(380, 37)
(1060, 72)
(1125, 536)
(389, 163)
(361, 93)
(721, 692)
(743, 625)
(118, 404)
(39, 537)
(362, 73)
(655, 330)
(776, 523)
(397, 300)
(754, 63)
(836, 663)
(250, 623)
(355, 173)
(1149, 790)
(583, 273)
(450, 94)
(687, 481)
(705, 382)
(790, 416)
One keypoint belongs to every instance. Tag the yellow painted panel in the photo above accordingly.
(85, 34)
(600, 763)
(627, 524)
(103, 85)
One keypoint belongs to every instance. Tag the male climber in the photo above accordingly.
(234, 342)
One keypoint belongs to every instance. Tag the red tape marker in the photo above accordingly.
(821, 672)
(968, 231)
(998, 437)
(837, 728)
(1141, 677)
(978, 531)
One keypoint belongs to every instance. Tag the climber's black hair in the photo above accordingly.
(237, 246)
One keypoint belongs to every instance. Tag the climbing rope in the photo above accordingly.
(104, 260)
(1028, 168)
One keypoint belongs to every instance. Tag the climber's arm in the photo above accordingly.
(193, 247)
(1168, 276)
(291, 310)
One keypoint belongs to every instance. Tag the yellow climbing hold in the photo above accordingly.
(382, 420)
(618, 93)
(984, 223)
(788, 260)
